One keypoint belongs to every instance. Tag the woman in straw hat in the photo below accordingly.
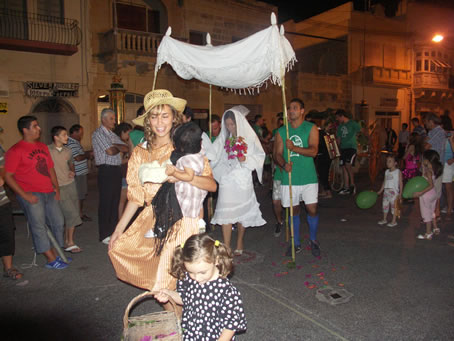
(133, 256)
(234, 155)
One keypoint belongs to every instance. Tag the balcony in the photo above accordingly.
(126, 47)
(431, 80)
(30, 32)
(130, 42)
(378, 75)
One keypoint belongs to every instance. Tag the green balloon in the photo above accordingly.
(416, 184)
(366, 199)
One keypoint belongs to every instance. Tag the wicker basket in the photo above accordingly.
(161, 325)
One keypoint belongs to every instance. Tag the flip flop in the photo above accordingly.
(73, 249)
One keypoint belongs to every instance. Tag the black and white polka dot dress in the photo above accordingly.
(210, 308)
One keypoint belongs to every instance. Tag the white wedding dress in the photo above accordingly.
(236, 201)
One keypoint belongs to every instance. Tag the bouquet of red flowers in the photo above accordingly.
(235, 147)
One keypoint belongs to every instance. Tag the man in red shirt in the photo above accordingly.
(30, 174)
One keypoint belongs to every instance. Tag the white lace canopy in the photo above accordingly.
(245, 64)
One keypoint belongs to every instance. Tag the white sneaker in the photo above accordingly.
(382, 222)
(391, 224)
(150, 234)
(445, 210)
(106, 240)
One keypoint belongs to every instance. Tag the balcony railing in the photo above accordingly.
(132, 42)
(38, 33)
(387, 76)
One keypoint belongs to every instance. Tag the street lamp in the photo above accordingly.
(437, 38)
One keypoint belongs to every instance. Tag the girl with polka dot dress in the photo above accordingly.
(212, 306)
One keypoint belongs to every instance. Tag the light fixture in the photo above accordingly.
(437, 38)
(102, 96)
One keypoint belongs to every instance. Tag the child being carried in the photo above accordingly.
(187, 161)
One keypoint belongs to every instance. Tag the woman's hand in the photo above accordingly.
(113, 238)
(170, 169)
(242, 158)
(416, 194)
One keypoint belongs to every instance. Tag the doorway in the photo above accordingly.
(51, 112)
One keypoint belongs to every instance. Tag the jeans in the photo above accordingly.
(45, 212)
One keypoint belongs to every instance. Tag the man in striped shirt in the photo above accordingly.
(76, 132)
(107, 147)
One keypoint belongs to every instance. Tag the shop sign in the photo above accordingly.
(388, 102)
(51, 89)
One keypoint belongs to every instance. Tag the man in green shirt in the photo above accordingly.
(303, 147)
(137, 134)
(346, 138)
(258, 123)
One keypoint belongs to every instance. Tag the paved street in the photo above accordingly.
(403, 288)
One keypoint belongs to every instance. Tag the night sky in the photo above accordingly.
(300, 9)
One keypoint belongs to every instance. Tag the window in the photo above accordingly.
(418, 65)
(197, 38)
(131, 17)
(51, 8)
(439, 54)
(137, 18)
(432, 66)
(433, 54)
(426, 65)
(14, 5)
(418, 54)
(426, 53)
(154, 24)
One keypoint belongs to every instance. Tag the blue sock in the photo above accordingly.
(296, 230)
(313, 226)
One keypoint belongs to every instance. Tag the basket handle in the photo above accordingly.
(139, 298)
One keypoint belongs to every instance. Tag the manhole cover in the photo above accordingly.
(333, 296)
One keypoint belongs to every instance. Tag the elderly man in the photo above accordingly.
(107, 147)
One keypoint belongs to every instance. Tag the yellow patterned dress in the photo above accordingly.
(133, 255)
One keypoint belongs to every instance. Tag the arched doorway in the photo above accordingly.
(51, 112)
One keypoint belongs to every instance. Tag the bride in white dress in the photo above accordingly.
(236, 201)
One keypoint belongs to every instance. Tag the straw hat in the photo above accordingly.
(157, 97)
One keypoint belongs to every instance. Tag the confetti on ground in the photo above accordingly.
(325, 282)
(341, 284)
(282, 244)
(280, 274)
(308, 276)
(315, 266)
(306, 283)
(273, 264)
(286, 261)
(321, 274)
(299, 267)
(312, 286)
(333, 269)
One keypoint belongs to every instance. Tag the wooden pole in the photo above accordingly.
(284, 100)
(210, 197)
(209, 118)
(154, 79)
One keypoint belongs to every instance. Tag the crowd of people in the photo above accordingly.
(154, 177)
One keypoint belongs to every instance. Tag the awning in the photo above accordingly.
(441, 63)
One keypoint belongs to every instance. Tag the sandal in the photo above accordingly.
(73, 249)
(237, 252)
(436, 231)
(13, 274)
(426, 236)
